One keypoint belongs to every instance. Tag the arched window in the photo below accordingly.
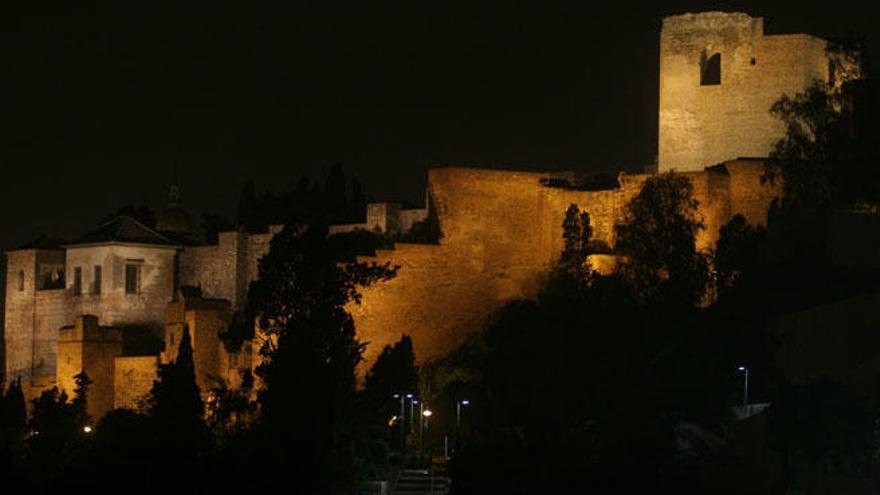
(21, 280)
(710, 70)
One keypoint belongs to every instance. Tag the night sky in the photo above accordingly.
(99, 107)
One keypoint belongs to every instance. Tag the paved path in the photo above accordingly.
(420, 482)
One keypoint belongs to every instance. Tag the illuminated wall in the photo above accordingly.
(702, 123)
(502, 230)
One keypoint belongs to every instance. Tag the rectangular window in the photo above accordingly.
(132, 278)
(78, 281)
(710, 70)
(96, 283)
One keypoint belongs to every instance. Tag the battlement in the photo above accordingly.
(712, 22)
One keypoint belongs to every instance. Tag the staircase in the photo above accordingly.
(421, 482)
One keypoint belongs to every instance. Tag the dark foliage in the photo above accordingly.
(736, 253)
(658, 239)
(824, 427)
(829, 154)
(393, 373)
(426, 231)
(176, 406)
(212, 225)
(309, 356)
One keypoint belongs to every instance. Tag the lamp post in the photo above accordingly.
(402, 419)
(412, 405)
(745, 371)
(458, 422)
(425, 414)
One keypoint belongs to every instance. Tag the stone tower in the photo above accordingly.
(719, 76)
(34, 311)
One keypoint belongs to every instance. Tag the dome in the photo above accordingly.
(176, 220)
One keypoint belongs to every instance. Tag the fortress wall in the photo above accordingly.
(408, 218)
(706, 125)
(436, 299)
(133, 379)
(205, 326)
(93, 349)
(502, 231)
(52, 313)
(748, 195)
(19, 313)
(258, 246)
(197, 265)
(216, 270)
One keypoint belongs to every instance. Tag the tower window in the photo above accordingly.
(96, 282)
(710, 70)
(77, 281)
(21, 280)
(132, 278)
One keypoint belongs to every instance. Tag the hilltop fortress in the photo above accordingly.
(115, 302)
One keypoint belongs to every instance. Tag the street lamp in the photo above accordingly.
(402, 419)
(412, 406)
(745, 371)
(423, 420)
(458, 421)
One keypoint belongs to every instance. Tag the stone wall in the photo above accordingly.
(502, 231)
(216, 269)
(88, 347)
(205, 319)
(703, 125)
(133, 379)
(32, 315)
(224, 270)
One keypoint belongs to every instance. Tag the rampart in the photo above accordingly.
(502, 231)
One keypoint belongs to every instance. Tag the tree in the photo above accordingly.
(358, 204)
(335, 199)
(81, 397)
(576, 234)
(212, 225)
(177, 410)
(55, 433)
(658, 238)
(13, 420)
(736, 252)
(804, 157)
(309, 354)
(829, 153)
(394, 372)
(825, 426)
(248, 210)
